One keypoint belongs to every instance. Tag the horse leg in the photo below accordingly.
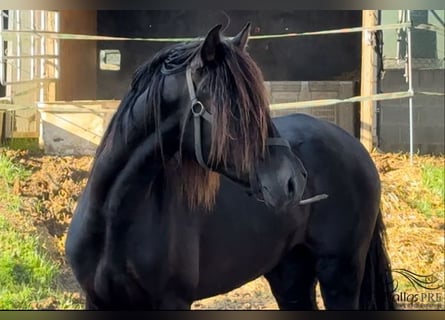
(340, 280)
(293, 280)
(174, 302)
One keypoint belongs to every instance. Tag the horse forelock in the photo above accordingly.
(240, 107)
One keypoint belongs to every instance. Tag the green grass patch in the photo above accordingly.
(28, 276)
(31, 144)
(26, 273)
(432, 178)
(10, 171)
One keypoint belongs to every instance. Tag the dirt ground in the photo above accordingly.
(50, 196)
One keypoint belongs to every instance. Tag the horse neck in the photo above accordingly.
(122, 157)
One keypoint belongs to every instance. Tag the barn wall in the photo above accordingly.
(76, 127)
(345, 114)
(315, 58)
(78, 58)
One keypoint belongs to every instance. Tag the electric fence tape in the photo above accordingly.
(292, 104)
(11, 35)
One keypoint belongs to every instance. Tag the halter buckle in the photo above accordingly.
(197, 112)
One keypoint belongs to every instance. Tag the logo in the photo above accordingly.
(417, 291)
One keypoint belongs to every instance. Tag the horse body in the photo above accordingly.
(173, 255)
(195, 111)
(165, 218)
(341, 225)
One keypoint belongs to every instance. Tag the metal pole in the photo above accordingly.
(42, 53)
(410, 87)
(2, 53)
(18, 27)
(56, 45)
(33, 43)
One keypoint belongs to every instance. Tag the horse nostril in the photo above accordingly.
(291, 187)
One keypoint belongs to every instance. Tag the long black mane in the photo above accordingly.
(147, 77)
(239, 106)
(125, 131)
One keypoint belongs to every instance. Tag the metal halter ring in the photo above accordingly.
(201, 110)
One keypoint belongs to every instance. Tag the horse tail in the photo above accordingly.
(377, 287)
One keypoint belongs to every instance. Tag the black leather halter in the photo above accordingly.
(198, 111)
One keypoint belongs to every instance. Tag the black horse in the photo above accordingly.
(155, 230)
(195, 111)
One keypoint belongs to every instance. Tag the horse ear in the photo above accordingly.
(211, 44)
(240, 40)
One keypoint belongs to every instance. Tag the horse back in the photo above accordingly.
(339, 166)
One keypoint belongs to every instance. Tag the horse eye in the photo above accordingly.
(200, 72)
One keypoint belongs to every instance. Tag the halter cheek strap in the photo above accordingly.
(277, 142)
(198, 111)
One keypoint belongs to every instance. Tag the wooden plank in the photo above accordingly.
(286, 86)
(8, 123)
(104, 103)
(368, 81)
(2, 115)
(22, 89)
(25, 134)
(50, 66)
(80, 106)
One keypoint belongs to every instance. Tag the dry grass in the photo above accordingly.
(415, 237)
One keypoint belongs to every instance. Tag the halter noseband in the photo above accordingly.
(198, 111)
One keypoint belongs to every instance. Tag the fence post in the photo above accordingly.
(368, 80)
